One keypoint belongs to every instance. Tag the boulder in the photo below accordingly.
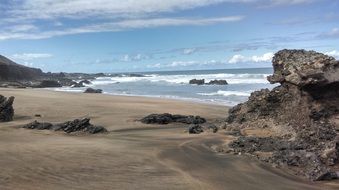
(92, 90)
(167, 118)
(6, 108)
(195, 129)
(78, 125)
(217, 82)
(302, 112)
(197, 81)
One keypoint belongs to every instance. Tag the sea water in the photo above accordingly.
(175, 85)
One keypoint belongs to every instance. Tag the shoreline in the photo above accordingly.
(183, 99)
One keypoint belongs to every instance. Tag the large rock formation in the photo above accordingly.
(302, 112)
(11, 71)
(167, 118)
(6, 108)
(78, 125)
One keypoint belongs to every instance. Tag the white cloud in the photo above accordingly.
(75, 9)
(333, 53)
(289, 2)
(30, 10)
(189, 51)
(136, 57)
(30, 56)
(21, 18)
(334, 33)
(237, 59)
(267, 57)
(178, 64)
(120, 26)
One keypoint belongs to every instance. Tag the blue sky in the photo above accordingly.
(150, 35)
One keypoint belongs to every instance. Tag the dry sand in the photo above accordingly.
(131, 156)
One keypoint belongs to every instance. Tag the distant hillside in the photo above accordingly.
(11, 71)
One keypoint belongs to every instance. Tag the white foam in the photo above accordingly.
(68, 89)
(184, 79)
(226, 93)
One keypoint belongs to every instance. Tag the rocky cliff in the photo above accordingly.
(302, 115)
(11, 71)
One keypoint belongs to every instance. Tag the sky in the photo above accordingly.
(155, 35)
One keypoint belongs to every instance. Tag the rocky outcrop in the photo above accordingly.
(212, 82)
(92, 90)
(217, 82)
(197, 81)
(303, 113)
(167, 118)
(6, 108)
(78, 125)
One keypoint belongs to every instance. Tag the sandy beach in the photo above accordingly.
(131, 156)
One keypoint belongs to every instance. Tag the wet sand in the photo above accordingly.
(131, 156)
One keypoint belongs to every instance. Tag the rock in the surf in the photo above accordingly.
(92, 90)
(197, 81)
(217, 82)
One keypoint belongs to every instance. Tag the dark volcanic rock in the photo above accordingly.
(49, 84)
(80, 84)
(92, 90)
(167, 118)
(197, 81)
(195, 129)
(303, 111)
(78, 125)
(217, 82)
(85, 82)
(212, 82)
(6, 108)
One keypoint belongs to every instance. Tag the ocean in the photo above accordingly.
(175, 85)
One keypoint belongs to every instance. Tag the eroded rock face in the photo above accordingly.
(303, 111)
(302, 68)
(6, 108)
(78, 125)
